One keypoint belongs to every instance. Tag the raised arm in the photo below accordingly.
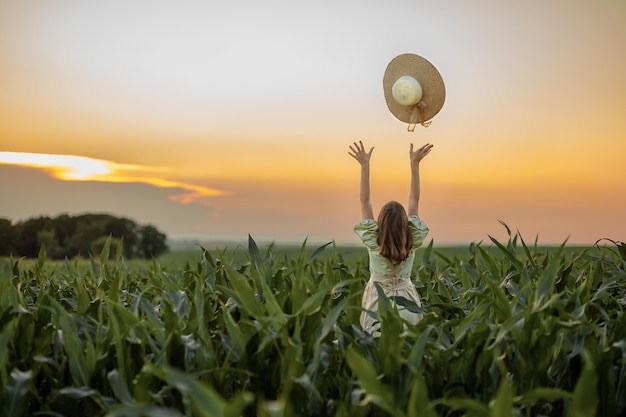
(357, 151)
(414, 192)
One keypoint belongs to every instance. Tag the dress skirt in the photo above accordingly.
(392, 287)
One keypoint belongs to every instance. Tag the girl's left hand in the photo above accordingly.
(419, 154)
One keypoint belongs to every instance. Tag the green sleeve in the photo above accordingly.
(418, 229)
(367, 230)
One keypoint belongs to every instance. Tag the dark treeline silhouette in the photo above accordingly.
(69, 236)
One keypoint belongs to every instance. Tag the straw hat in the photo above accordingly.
(414, 90)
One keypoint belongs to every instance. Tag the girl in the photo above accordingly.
(391, 241)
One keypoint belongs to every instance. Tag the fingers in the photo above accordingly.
(359, 149)
(426, 148)
(354, 151)
(423, 147)
(356, 148)
(420, 153)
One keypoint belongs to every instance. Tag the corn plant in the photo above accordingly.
(508, 330)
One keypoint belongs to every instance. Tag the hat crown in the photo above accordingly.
(407, 91)
(433, 93)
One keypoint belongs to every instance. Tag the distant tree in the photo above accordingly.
(48, 239)
(6, 237)
(152, 243)
(64, 227)
(98, 245)
(26, 237)
(86, 233)
(70, 236)
(126, 230)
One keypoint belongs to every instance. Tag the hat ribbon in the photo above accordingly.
(417, 116)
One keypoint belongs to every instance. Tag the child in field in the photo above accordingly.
(391, 241)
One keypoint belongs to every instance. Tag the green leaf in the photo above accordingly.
(207, 257)
(253, 249)
(119, 251)
(143, 410)
(119, 387)
(502, 405)
(470, 322)
(244, 293)
(41, 258)
(530, 257)
(546, 280)
(95, 269)
(312, 304)
(82, 295)
(417, 352)
(408, 304)
(419, 405)
(120, 320)
(106, 249)
(270, 301)
(378, 393)
(508, 230)
(16, 390)
(238, 404)
(331, 319)
(543, 393)
(585, 399)
(473, 407)
(299, 289)
(490, 263)
(81, 355)
(501, 301)
(204, 401)
(427, 251)
(389, 321)
(507, 253)
(77, 393)
(317, 252)
(271, 408)
(5, 339)
(305, 382)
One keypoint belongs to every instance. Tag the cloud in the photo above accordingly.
(81, 168)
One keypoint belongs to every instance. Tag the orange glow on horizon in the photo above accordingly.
(81, 168)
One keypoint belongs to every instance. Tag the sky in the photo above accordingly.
(218, 119)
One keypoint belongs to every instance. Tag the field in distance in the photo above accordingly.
(238, 254)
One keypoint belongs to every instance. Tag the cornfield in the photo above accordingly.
(508, 330)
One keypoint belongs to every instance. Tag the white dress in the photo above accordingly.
(395, 280)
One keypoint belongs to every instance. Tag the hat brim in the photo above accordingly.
(433, 88)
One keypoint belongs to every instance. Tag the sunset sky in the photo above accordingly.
(221, 119)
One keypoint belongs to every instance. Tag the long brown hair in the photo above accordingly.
(394, 238)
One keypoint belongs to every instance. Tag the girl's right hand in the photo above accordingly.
(358, 153)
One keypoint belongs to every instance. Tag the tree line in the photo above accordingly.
(68, 236)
